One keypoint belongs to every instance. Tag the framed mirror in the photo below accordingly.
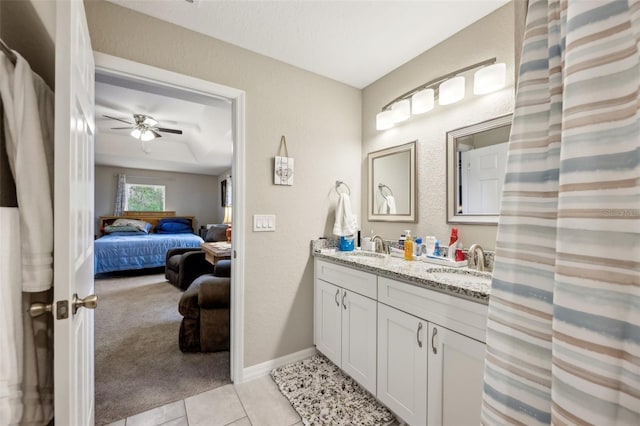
(476, 163)
(391, 185)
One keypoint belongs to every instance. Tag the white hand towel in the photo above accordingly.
(383, 207)
(11, 331)
(391, 203)
(346, 223)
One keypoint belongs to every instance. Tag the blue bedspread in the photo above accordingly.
(121, 253)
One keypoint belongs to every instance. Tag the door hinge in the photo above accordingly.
(62, 309)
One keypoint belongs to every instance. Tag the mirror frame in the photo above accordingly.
(413, 190)
(452, 136)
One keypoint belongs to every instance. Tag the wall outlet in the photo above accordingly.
(264, 223)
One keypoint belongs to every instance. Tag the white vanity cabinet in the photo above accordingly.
(456, 368)
(420, 351)
(402, 364)
(345, 320)
(448, 334)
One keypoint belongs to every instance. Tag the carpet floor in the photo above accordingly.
(323, 395)
(138, 363)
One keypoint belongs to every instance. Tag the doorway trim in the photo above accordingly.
(113, 65)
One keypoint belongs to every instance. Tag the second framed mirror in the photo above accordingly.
(391, 189)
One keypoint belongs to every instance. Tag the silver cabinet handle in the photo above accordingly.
(433, 336)
(343, 304)
(418, 334)
(336, 297)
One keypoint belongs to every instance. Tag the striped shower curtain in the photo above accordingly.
(563, 339)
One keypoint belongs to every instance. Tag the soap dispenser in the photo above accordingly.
(408, 246)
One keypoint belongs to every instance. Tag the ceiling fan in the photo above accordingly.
(144, 127)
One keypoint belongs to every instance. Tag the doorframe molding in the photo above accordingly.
(113, 65)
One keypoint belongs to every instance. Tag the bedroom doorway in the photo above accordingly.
(111, 68)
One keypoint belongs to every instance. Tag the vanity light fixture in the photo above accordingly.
(449, 88)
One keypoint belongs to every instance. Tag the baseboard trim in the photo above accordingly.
(264, 368)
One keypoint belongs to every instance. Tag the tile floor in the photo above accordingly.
(255, 403)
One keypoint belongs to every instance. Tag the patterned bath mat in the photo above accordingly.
(323, 395)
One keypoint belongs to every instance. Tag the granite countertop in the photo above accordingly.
(461, 282)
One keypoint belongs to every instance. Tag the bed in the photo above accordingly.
(123, 251)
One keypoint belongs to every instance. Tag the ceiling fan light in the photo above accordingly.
(136, 133)
(150, 121)
(147, 135)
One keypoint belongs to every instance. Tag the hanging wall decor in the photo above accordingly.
(283, 166)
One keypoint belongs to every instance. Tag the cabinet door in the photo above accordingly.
(456, 367)
(359, 339)
(327, 320)
(402, 364)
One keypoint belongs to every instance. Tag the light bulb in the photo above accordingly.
(136, 133)
(451, 91)
(401, 110)
(384, 120)
(422, 101)
(147, 135)
(489, 79)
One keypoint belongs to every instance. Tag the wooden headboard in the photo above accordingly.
(151, 217)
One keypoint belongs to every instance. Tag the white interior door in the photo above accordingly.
(73, 216)
(482, 178)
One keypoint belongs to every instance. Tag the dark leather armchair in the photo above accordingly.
(183, 265)
(205, 308)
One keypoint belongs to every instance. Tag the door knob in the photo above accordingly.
(37, 309)
(89, 302)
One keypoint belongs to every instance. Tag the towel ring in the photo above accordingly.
(338, 183)
(381, 187)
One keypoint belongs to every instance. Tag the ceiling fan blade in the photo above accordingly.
(119, 119)
(162, 129)
(121, 128)
(156, 134)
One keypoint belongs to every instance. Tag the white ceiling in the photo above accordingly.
(205, 146)
(354, 42)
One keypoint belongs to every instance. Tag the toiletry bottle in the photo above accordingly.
(401, 241)
(454, 236)
(436, 249)
(408, 246)
(417, 247)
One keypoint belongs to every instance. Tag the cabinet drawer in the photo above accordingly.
(465, 317)
(359, 282)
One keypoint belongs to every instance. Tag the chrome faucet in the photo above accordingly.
(384, 248)
(476, 257)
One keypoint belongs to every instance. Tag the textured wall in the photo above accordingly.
(492, 36)
(186, 194)
(321, 120)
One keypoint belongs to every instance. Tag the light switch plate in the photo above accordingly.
(264, 223)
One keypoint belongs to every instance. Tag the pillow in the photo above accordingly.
(110, 229)
(173, 227)
(216, 233)
(141, 225)
(176, 220)
(128, 233)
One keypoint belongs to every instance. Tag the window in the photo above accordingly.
(144, 198)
